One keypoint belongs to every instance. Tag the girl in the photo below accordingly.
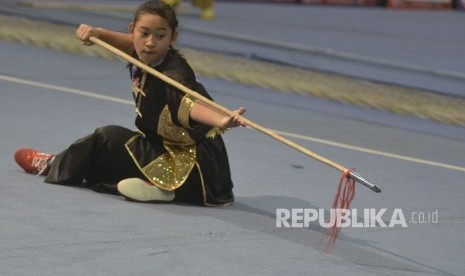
(175, 153)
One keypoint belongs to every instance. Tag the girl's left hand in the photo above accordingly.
(234, 120)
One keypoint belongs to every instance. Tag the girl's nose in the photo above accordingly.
(150, 41)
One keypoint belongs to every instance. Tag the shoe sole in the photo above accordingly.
(136, 189)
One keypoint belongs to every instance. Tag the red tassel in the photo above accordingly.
(344, 196)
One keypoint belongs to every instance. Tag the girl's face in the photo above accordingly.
(152, 38)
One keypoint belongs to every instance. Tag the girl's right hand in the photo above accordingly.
(84, 32)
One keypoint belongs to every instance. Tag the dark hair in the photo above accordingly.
(159, 8)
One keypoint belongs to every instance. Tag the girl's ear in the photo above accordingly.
(174, 38)
(131, 28)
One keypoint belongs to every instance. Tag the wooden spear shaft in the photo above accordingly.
(214, 105)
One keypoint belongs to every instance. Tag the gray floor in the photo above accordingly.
(57, 230)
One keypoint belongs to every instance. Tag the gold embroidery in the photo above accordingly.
(171, 133)
(171, 169)
(214, 132)
(187, 103)
(152, 172)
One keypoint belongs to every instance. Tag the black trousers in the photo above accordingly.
(100, 160)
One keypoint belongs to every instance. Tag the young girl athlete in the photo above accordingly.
(174, 155)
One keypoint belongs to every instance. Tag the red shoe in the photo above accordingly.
(33, 161)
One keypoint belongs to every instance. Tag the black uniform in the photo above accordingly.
(168, 149)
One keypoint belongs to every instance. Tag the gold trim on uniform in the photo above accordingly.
(141, 133)
(187, 103)
(212, 133)
(138, 112)
(171, 169)
(171, 133)
(204, 192)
